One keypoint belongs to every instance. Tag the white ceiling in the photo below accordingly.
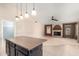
(64, 12)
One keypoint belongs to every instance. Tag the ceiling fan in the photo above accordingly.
(54, 19)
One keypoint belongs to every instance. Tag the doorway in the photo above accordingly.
(8, 31)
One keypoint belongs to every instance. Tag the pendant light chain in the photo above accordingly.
(17, 17)
(26, 13)
(26, 7)
(21, 8)
(16, 10)
(33, 6)
(21, 16)
(34, 13)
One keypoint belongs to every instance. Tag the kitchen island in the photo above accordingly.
(24, 46)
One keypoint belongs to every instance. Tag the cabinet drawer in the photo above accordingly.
(18, 53)
(21, 49)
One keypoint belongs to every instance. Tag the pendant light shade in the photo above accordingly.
(26, 15)
(17, 18)
(21, 17)
(34, 13)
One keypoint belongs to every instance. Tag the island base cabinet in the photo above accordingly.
(13, 49)
(37, 51)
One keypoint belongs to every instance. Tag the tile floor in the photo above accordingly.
(61, 47)
(55, 47)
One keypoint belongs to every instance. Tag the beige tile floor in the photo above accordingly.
(61, 47)
(55, 47)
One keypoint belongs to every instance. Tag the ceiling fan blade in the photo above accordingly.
(55, 19)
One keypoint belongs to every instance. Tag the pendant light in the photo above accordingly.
(26, 14)
(21, 17)
(34, 13)
(17, 18)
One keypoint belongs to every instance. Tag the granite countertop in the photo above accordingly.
(27, 42)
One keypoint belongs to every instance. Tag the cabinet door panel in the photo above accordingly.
(12, 51)
(7, 48)
(18, 53)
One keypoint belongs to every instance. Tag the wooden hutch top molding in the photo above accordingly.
(57, 27)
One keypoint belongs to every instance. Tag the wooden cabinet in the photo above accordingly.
(13, 49)
(48, 30)
(69, 30)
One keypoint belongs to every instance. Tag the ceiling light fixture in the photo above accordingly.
(34, 13)
(17, 18)
(26, 14)
(21, 17)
